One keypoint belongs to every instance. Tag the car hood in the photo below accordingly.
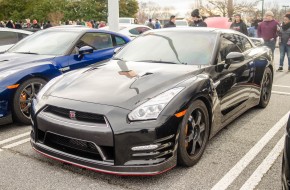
(13, 60)
(109, 85)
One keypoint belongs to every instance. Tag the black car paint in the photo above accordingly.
(214, 84)
(286, 159)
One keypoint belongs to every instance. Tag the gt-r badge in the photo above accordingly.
(72, 114)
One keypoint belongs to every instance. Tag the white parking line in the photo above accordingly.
(16, 143)
(258, 174)
(282, 86)
(227, 180)
(281, 93)
(14, 138)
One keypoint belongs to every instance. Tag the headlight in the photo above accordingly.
(47, 86)
(152, 108)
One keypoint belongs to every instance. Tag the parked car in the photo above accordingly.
(126, 20)
(28, 65)
(8, 37)
(286, 159)
(218, 22)
(181, 23)
(155, 104)
(131, 30)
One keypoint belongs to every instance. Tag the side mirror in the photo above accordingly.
(86, 50)
(116, 50)
(234, 57)
(258, 41)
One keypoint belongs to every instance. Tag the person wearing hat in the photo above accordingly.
(197, 20)
(239, 25)
(268, 30)
(171, 22)
(284, 44)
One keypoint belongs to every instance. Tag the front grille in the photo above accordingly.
(80, 116)
(72, 146)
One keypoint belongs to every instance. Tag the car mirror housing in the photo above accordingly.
(86, 50)
(234, 57)
(116, 50)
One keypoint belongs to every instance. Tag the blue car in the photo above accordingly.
(28, 65)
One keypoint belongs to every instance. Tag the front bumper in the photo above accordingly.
(103, 167)
(113, 141)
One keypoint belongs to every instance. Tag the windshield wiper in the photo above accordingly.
(118, 58)
(27, 53)
(155, 61)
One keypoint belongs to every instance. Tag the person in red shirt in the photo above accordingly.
(268, 30)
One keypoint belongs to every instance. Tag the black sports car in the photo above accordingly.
(286, 160)
(156, 104)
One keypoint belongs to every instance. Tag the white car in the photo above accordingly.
(126, 20)
(181, 23)
(131, 30)
(9, 37)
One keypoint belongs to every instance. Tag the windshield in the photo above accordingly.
(174, 47)
(46, 43)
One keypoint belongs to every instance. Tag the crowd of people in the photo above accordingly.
(268, 29)
(43, 25)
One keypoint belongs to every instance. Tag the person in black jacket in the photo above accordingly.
(10, 24)
(197, 20)
(239, 25)
(48, 25)
(171, 23)
(284, 44)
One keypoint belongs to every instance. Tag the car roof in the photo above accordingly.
(80, 29)
(123, 26)
(15, 30)
(198, 29)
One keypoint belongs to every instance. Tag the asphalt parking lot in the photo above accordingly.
(244, 155)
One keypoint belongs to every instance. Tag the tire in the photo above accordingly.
(194, 132)
(23, 98)
(266, 90)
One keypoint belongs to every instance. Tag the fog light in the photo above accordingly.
(146, 147)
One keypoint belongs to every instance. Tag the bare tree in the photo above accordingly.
(228, 8)
(153, 10)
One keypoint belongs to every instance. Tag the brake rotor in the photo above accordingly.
(186, 133)
(23, 98)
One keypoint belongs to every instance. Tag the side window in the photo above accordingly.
(119, 41)
(243, 43)
(21, 36)
(228, 45)
(96, 41)
(246, 43)
(134, 31)
(7, 38)
(141, 30)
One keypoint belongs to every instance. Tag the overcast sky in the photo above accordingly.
(183, 6)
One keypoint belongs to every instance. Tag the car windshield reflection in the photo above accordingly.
(46, 43)
(168, 47)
